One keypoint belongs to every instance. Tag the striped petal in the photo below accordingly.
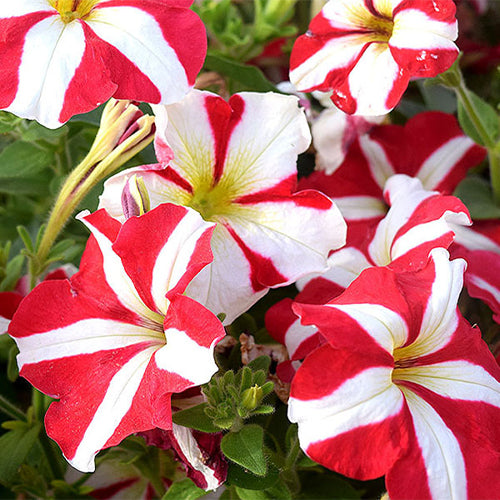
(419, 403)
(366, 52)
(235, 163)
(111, 327)
(129, 49)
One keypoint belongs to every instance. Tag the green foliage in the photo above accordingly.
(249, 77)
(476, 193)
(233, 398)
(184, 489)
(488, 120)
(245, 448)
(241, 30)
(15, 445)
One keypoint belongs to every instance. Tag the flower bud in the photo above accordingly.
(252, 397)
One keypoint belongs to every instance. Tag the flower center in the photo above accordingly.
(211, 202)
(381, 27)
(73, 9)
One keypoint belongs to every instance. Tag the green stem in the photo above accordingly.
(12, 411)
(39, 402)
(494, 161)
(474, 115)
(53, 459)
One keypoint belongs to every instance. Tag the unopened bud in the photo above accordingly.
(251, 398)
(135, 197)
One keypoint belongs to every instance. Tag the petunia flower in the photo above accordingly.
(116, 340)
(63, 57)
(417, 222)
(198, 452)
(407, 390)
(235, 162)
(365, 52)
(433, 148)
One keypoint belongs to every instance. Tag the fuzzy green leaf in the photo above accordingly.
(245, 448)
(486, 113)
(184, 489)
(260, 363)
(475, 192)
(250, 77)
(15, 446)
(195, 418)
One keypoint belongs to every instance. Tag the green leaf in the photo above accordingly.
(22, 159)
(245, 447)
(260, 363)
(245, 494)
(15, 446)
(488, 116)
(250, 77)
(437, 97)
(326, 485)
(476, 193)
(195, 418)
(184, 489)
(12, 369)
(242, 478)
(23, 169)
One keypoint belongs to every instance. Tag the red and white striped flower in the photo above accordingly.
(417, 222)
(198, 452)
(235, 162)
(366, 51)
(407, 388)
(117, 339)
(63, 57)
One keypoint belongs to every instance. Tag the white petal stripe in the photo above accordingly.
(440, 450)
(116, 276)
(191, 450)
(455, 379)
(296, 334)
(23, 7)
(185, 357)
(138, 36)
(82, 337)
(429, 231)
(360, 207)
(368, 398)
(378, 162)
(484, 285)
(173, 259)
(442, 161)
(385, 326)
(51, 55)
(440, 317)
(115, 405)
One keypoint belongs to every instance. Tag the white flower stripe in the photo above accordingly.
(429, 231)
(116, 276)
(82, 337)
(385, 326)
(139, 37)
(441, 162)
(296, 335)
(174, 258)
(189, 447)
(443, 459)
(456, 379)
(380, 166)
(52, 53)
(115, 405)
(368, 398)
(440, 318)
(185, 357)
